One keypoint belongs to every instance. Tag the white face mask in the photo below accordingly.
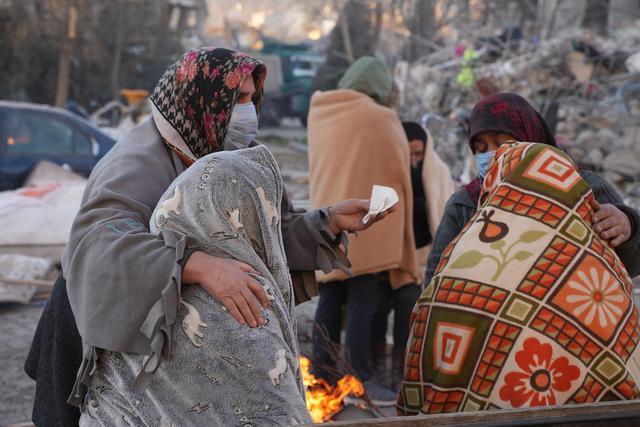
(243, 127)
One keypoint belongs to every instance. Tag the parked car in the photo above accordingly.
(30, 133)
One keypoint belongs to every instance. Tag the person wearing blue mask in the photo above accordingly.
(507, 117)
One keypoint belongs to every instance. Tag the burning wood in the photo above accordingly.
(324, 400)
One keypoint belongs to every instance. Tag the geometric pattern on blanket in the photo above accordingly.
(528, 307)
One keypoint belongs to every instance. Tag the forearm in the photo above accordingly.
(311, 244)
(118, 277)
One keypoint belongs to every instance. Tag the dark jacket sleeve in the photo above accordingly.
(308, 241)
(310, 245)
(629, 251)
(457, 212)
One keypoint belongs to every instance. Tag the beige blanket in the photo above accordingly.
(355, 143)
(438, 187)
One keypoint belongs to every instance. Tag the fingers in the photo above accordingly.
(363, 204)
(245, 309)
(381, 216)
(259, 292)
(254, 305)
(247, 268)
(612, 232)
(351, 206)
(604, 211)
(244, 306)
(595, 205)
(231, 307)
(611, 224)
(617, 241)
(606, 224)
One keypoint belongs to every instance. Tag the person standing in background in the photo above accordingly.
(355, 141)
(432, 186)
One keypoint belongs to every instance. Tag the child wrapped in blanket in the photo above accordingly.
(219, 372)
(528, 305)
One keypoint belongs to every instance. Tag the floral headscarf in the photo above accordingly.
(193, 100)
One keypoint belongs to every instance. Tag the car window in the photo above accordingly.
(37, 133)
(82, 144)
(6, 126)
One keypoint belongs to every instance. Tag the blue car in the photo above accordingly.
(30, 133)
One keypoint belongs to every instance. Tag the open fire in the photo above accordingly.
(323, 400)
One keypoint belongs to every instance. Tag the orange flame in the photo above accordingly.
(323, 400)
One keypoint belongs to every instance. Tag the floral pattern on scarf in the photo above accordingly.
(196, 96)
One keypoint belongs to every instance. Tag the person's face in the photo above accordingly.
(417, 151)
(247, 90)
(490, 141)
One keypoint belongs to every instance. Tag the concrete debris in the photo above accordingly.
(587, 88)
(37, 218)
(24, 269)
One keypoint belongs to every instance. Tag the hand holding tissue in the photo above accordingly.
(382, 199)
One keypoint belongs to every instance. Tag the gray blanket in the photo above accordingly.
(219, 372)
(123, 282)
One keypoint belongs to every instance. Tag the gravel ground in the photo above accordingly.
(17, 325)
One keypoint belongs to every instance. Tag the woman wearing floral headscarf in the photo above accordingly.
(124, 282)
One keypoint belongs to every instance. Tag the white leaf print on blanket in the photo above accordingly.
(192, 323)
(280, 368)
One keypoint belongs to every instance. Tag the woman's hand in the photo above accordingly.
(229, 281)
(347, 215)
(611, 223)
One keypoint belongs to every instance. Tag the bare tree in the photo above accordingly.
(107, 51)
(69, 35)
(356, 34)
(422, 26)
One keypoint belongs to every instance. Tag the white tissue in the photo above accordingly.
(382, 199)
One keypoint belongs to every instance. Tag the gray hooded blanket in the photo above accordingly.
(218, 372)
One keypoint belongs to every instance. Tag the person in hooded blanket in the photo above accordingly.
(432, 186)
(118, 299)
(356, 140)
(504, 117)
(530, 302)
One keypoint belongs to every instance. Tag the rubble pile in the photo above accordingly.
(587, 87)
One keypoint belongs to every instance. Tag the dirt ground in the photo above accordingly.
(17, 325)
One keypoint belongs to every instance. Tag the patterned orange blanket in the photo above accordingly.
(528, 306)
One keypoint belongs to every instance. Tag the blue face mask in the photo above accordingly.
(482, 162)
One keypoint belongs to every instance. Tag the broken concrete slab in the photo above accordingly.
(23, 268)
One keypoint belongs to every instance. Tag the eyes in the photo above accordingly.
(480, 146)
(490, 141)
